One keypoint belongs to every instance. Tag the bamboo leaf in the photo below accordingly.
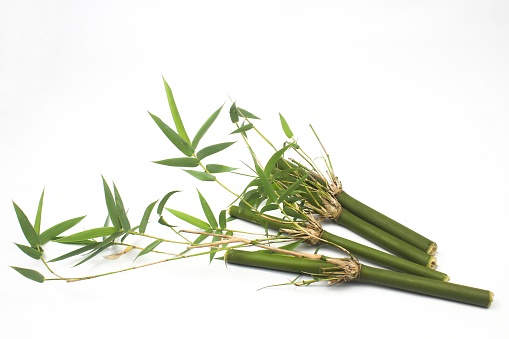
(247, 114)
(291, 189)
(209, 150)
(205, 127)
(199, 239)
(31, 252)
(175, 113)
(30, 274)
(286, 128)
(243, 129)
(274, 159)
(175, 139)
(208, 212)
(52, 232)
(189, 219)
(89, 234)
(37, 223)
(146, 216)
(80, 250)
(122, 216)
(269, 207)
(149, 248)
(234, 114)
(163, 201)
(214, 250)
(215, 168)
(203, 176)
(100, 247)
(164, 222)
(222, 219)
(265, 183)
(111, 205)
(179, 162)
(27, 228)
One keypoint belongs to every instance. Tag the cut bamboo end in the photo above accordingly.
(492, 296)
(432, 263)
(446, 278)
(432, 249)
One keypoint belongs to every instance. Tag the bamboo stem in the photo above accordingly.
(359, 250)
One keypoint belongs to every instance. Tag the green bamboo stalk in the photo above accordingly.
(359, 250)
(385, 240)
(367, 274)
(389, 225)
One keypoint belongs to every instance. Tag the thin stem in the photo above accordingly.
(159, 238)
(49, 269)
(142, 248)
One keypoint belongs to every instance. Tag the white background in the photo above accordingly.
(410, 98)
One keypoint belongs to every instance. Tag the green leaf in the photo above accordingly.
(27, 228)
(222, 219)
(149, 248)
(286, 128)
(179, 162)
(209, 150)
(265, 183)
(208, 211)
(291, 189)
(215, 168)
(294, 213)
(89, 234)
(274, 159)
(289, 247)
(52, 232)
(247, 114)
(175, 139)
(175, 113)
(164, 222)
(214, 250)
(190, 219)
(122, 216)
(37, 224)
(242, 129)
(205, 127)
(83, 249)
(203, 176)
(100, 247)
(111, 205)
(234, 114)
(31, 252)
(201, 237)
(163, 201)
(146, 216)
(30, 274)
(269, 207)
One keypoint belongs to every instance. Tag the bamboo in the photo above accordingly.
(359, 250)
(370, 275)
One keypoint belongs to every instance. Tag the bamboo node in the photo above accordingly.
(345, 270)
(331, 207)
(310, 232)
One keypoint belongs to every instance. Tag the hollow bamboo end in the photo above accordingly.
(432, 263)
(446, 278)
(432, 249)
(492, 296)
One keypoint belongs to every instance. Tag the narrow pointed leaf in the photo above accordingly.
(269, 207)
(175, 113)
(208, 212)
(203, 176)
(234, 114)
(27, 228)
(101, 247)
(214, 250)
(89, 234)
(37, 223)
(205, 127)
(274, 159)
(247, 114)
(286, 128)
(163, 201)
(291, 189)
(31, 252)
(122, 216)
(209, 150)
(30, 274)
(175, 139)
(111, 205)
(146, 216)
(190, 219)
(222, 219)
(149, 248)
(179, 162)
(243, 129)
(215, 168)
(164, 222)
(52, 232)
(80, 250)
(265, 183)
(199, 239)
